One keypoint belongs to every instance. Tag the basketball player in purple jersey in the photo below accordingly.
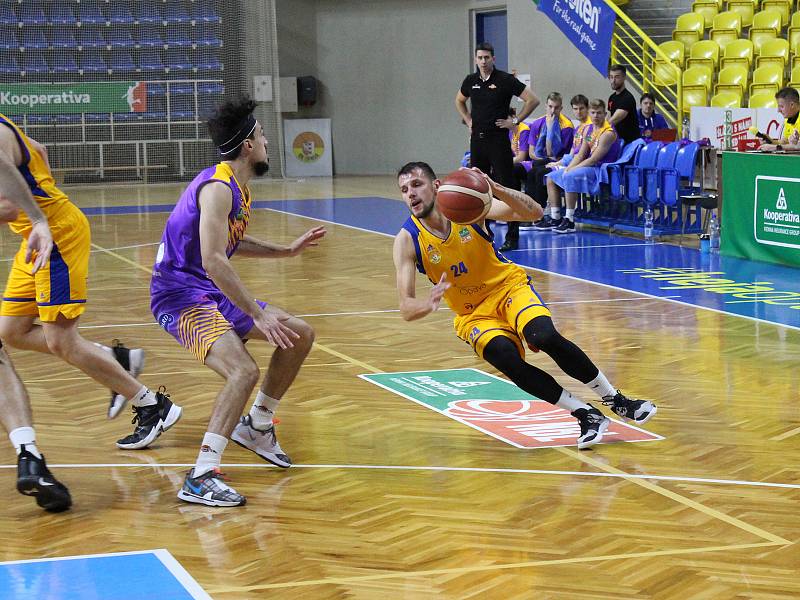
(198, 298)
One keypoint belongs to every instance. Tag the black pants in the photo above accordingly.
(492, 154)
(503, 355)
(536, 183)
(518, 176)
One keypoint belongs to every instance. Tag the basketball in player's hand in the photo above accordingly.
(464, 197)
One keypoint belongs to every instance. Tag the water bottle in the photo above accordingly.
(713, 232)
(648, 225)
(685, 127)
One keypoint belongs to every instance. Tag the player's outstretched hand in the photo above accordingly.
(309, 238)
(40, 243)
(438, 292)
(492, 184)
(271, 325)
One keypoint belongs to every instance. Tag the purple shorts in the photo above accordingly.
(198, 318)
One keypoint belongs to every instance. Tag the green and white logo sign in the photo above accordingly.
(60, 98)
(777, 211)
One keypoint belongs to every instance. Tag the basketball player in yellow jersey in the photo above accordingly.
(495, 303)
(56, 293)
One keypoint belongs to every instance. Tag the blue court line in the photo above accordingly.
(146, 575)
(749, 289)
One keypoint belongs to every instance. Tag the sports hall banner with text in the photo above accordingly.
(730, 125)
(588, 24)
(307, 147)
(61, 98)
(761, 212)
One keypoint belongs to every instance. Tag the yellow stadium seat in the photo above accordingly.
(732, 78)
(795, 48)
(784, 7)
(698, 75)
(794, 80)
(768, 77)
(726, 99)
(705, 52)
(726, 28)
(738, 52)
(745, 8)
(761, 37)
(793, 35)
(774, 52)
(665, 72)
(763, 99)
(708, 9)
(694, 96)
(689, 28)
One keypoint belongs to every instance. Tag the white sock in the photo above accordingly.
(24, 436)
(144, 397)
(210, 453)
(600, 386)
(569, 402)
(571, 214)
(555, 213)
(263, 410)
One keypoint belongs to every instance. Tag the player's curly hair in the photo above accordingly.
(227, 119)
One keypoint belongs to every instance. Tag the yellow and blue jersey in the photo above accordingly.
(39, 179)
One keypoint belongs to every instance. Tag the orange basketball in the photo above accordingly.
(464, 197)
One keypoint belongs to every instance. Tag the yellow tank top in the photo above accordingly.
(39, 179)
(473, 267)
(593, 134)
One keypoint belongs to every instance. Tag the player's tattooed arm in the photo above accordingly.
(512, 205)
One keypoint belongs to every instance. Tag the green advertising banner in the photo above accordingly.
(60, 98)
(761, 207)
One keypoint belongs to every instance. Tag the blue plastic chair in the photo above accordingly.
(61, 14)
(32, 14)
(9, 65)
(177, 61)
(8, 39)
(181, 89)
(91, 37)
(654, 175)
(119, 13)
(209, 62)
(204, 12)
(150, 37)
(7, 15)
(92, 62)
(613, 171)
(206, 36)
(679, 179)
(67, 118)
(35, 62)
(64, 62)
(150, 62)
(121, 62)
(149, 13)
(210, 88)
(634, 174)
(176, 13)
(91, 14)
(119, 37)
(178, 38)
(62, 38)
(33, 38)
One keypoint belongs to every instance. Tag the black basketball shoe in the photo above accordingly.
(35, 479)
(132, 360)
(593, 425)
(152, 421)
(638, 411)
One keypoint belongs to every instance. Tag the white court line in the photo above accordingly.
(605, 285)
(640, 244)
(260, 465)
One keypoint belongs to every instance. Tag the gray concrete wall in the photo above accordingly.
(389, 71)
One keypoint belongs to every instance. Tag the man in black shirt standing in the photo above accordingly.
(622, 106)
(490, 91)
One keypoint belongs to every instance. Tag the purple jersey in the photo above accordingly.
(179, 263)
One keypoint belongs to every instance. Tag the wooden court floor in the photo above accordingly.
(390, 500)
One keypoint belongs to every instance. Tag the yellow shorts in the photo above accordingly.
(505, 312)
(60, 286)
